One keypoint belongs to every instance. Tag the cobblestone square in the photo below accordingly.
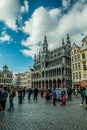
(39, 115)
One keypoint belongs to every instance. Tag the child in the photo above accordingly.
(63, 95)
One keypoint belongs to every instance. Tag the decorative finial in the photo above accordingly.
(67, 36)
(62, 41)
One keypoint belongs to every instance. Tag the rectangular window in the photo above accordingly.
(76, 75)
(80, 75)
(78, 65)
(75, 58)
(78, 57)
(73, 76)
(72, 58)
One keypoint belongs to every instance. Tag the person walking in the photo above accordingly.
(20, 95)
(12, 94)
(86, 97)
(35, 91)
(69, 92)
(63, 96)
(83, 96)
(24, 91)
(54, 94)
(4, 95)
(29, 93)
(42, 92)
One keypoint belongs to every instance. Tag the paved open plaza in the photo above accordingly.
(39, 115)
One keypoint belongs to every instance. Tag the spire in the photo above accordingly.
(68, 40)
(45, 44)
(45, 38)
(35, 57)
(63, 42)
(68, 36)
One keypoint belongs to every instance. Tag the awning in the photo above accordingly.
(84, 83)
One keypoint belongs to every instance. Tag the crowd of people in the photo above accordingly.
(50, 95)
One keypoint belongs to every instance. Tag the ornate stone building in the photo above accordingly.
(6, 77)
(79, 64)
(83, 52)
(53, 68)
(23, 79)
(76, 66)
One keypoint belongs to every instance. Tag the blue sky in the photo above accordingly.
(23, 24)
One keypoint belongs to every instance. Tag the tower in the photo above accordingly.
(35, 58)
(45, 45)
(68, 40)
(5, 68)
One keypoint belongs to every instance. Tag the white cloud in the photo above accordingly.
(40, 22)
(8, 12)
(66, 3)
(31, 52)
(74, 22)
(5, 37)
(0, 55)
(56, 25)
(25, 7)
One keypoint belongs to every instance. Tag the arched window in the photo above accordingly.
(83, 55)
(74, 51)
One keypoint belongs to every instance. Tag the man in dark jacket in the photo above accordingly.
(29, 93)
(4, 96)
(35, 91)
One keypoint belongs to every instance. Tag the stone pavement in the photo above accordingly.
(38, 115)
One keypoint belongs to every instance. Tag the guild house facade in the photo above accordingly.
(6, 77)
(79, 64)
(53, 68)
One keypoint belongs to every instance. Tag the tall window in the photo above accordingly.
(79, 75)
(76, 75)
(78, 57)
(76, 66)
(79, 65)
(74, 51)
(72, 58)
(75, 57)
(83, 55)
(84, 65)
(73, 66)
(73, 76)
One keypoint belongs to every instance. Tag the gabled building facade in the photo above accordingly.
(23, 79)
(76, 66)
(53, 68)
(84, 61)
(6, 77)
(79, 64)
